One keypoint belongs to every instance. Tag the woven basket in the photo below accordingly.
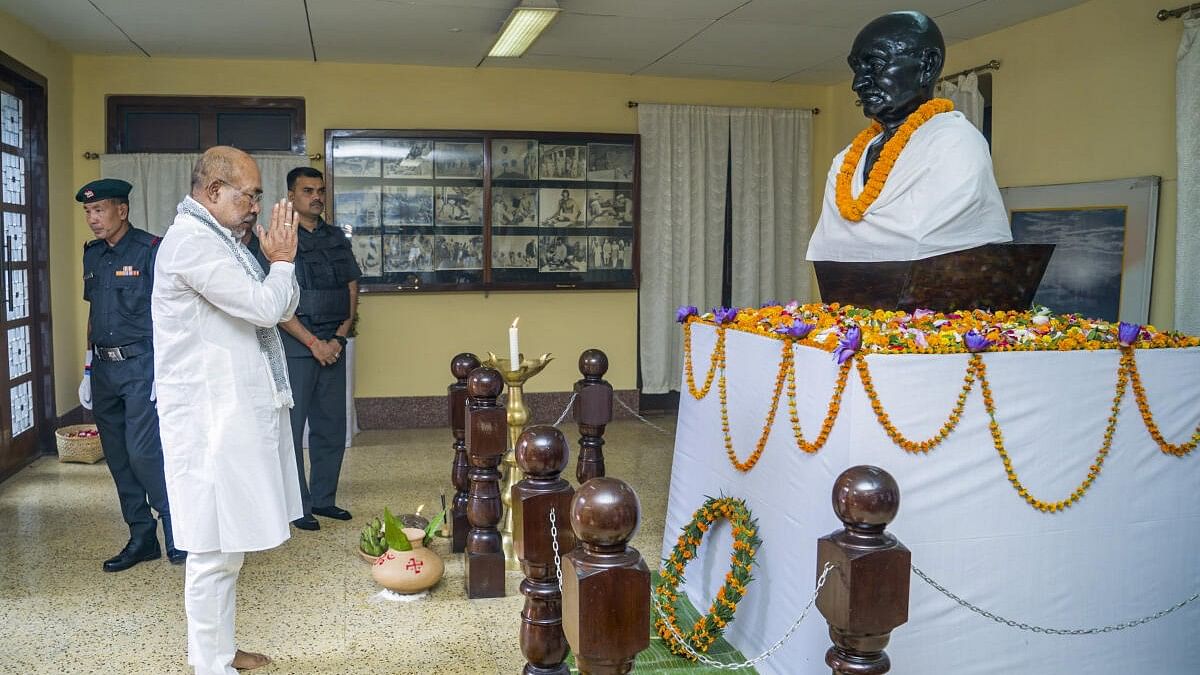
(76, 449)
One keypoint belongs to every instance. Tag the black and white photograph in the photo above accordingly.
(405, 205)
(407, 158)
(408, 252)
(609, 208)
(561, 207)
(611, 253)
(458, 252)
(354, 158)
(514, 207)
(366, 245)
(610, 162)
(357, 209)
(459, 206)
(514, 158)
(458, 160)
(519, 251)
(563, 162)
(559, 253)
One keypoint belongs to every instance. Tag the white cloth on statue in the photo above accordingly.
(227, 442)
(940, 197)
(210, 599)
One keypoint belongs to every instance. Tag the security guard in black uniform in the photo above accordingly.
(314, 341)
(118, 277)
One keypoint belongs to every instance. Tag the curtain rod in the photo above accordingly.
(1164, 14)
(93, 155)
(994, 64)
(634, 104)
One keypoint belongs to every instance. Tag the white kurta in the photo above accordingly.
(940, 197)
(227, 446)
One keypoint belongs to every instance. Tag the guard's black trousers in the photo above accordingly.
(319, 393)
(128, 424)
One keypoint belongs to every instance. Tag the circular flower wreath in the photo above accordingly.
(745, 544)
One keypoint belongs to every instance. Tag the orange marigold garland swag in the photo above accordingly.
(854, 209)
(745, 544)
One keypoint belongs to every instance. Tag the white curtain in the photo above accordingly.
(964, 92)
(1187, 147)
(771, 175)
(161, 180)
(684, 167)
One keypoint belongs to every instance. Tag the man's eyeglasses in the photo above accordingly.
(254, 197)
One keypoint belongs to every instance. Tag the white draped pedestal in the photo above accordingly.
(1129, 548)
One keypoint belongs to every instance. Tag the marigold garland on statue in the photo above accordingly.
(711, 625)
(854, 209)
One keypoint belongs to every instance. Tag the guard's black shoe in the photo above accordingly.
(132, 554)
(332, 512)
(176, 556)
(307, 523)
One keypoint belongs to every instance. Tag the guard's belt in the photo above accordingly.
(124, 352)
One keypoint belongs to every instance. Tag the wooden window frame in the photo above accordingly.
(207, 107)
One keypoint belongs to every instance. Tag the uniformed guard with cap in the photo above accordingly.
(118, 276)
(314, 341)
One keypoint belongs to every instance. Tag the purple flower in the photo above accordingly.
(798, 329)
(848, 345)
(976, 342)
(725, 314)
(684, 311)
(1127, 333)
(919, 314)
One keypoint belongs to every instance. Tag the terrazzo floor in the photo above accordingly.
(308, 604)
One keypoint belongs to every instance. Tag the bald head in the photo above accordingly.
(896, 60)
(226, 181)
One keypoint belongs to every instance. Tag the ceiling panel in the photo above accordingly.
(783, 46)
(987, 17)
(76, 25)
(580, 63)
(229, 28)
(836, 13)
(654, 9)
(391, 32)
(616, 37)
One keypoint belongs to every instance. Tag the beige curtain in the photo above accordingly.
(684, 167)
(964, 92)
(1187, 148)
(771, 152)
(161, 180)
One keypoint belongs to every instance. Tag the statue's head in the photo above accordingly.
(896, 60)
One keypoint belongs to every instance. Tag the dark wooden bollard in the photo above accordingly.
(487, 439)
(593, 411)
(606, 584)
(456, 399)
(866, 597)
(542, 453)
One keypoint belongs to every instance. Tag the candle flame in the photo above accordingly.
(514, 323)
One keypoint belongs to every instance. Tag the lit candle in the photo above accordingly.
(514, 353)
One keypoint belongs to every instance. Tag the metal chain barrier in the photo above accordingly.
(567, 410)
(645, 421)
(706, 660)
(1050, 631)
(554, 544)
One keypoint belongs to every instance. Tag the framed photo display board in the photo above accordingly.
(486, 210)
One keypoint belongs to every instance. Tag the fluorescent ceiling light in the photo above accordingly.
(523, 26)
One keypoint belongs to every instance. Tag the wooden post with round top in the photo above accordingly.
(456, 399)
(487, 441)
(606, 584)
(866, 597)
(593, 411)
(542, 453)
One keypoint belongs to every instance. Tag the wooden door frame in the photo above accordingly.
(33, 86)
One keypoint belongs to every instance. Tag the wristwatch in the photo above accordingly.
(341, 339)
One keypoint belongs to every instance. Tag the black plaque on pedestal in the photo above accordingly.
(991, 277)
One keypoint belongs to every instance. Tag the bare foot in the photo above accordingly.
(249, 660)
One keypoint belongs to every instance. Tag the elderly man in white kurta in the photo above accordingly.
(918, 182)
(223, 393)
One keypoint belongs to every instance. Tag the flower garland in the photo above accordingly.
(831, 413)
(893, 433)
(717, 360)
(1139, 395)
(745, 544)
(786, 369)
(1110, 428)
(854, 209)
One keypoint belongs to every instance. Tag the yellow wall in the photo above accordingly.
(38, 53)
(1085, 94)
(406, 341)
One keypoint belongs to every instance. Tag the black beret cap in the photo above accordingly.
(105, 188)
